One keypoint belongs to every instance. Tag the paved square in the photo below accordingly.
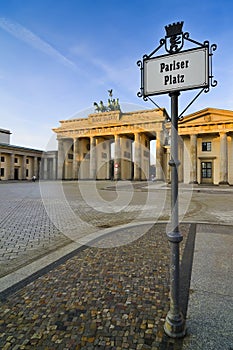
(112, 293)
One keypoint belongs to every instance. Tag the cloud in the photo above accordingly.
(103, 71)
(23, 34)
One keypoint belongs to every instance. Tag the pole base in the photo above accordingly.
(174, 326)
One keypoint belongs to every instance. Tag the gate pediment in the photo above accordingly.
(207, 116)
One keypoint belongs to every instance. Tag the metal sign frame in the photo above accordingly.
(176, 39)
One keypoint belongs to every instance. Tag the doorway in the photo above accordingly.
(16, 174)
(207, 172)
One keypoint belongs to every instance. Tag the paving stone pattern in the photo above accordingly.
(30, 227)
(115, 298)
(26, 232)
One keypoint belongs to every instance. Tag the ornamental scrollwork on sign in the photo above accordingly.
(173, 43)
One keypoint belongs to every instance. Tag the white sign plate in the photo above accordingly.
(182, 71)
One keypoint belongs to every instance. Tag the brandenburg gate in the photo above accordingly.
(86, 150)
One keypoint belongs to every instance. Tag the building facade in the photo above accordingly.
(22, 163)
(120, 146)
(205, 146)
(111, 145)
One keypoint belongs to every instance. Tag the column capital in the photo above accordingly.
(137, 136)
(93, 139)
(193, 136)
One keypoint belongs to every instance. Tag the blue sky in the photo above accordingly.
(58, 57)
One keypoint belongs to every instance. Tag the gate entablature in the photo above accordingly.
(111, 122)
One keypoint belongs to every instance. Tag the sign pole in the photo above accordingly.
(175, 325)
(177, 71)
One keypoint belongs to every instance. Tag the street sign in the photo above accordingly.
(185, 70)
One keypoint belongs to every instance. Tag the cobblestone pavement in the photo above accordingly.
(101, 298)
(26, 231)
(36, 219)
(115, 298)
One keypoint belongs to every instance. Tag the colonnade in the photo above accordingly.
(198, 155)
(24, 164)
(48, 166)
(17, 166)
(90, 157)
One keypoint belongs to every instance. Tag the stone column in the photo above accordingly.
(168, 175)
(12, 166)
(60, 160)
(54, 167)
(35, 167)
(223, 159)
(45, 173)
(93, 161)
(137, 157)
(108, 174)
(193, 159)
(67, 172)
(159, 157)
(23, 173)
(131, 160)
(117, 158)
(75, 161)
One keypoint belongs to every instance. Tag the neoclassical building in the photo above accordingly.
(206, 151)
(111, 145)
(21, 163)
(117, 145)
(122, 146)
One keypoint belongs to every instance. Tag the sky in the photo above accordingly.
(58, 57)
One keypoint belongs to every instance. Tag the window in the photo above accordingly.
(206, 170)
(2, 172)
(27, 161)
(16, 160)
(2, 159)
(27, 172)
(206, 146)
(70, 156)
